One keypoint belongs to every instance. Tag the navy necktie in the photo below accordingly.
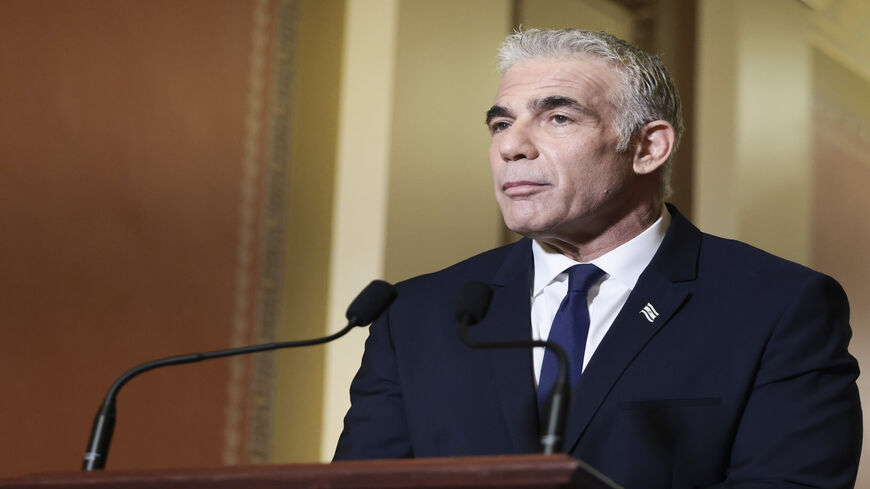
(569, 330)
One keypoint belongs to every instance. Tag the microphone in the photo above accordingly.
(473, 303)
(369, 304)
(364, 309)
(471, 308)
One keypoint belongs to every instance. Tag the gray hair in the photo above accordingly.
(648, 92)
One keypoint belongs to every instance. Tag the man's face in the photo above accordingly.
(553, 155)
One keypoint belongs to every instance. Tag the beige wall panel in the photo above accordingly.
(753, 176)
(412, 173)
(299, 380)
(752, 156)
(360, 200)
(773, 128)
(595, 15)
(441, 204)
(715, 179)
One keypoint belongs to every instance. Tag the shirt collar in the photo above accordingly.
(625, 263)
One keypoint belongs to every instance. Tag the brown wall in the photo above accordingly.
(122, 137)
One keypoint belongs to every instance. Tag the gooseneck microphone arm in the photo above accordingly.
(104, 423)
(367, 306)
(472, 307)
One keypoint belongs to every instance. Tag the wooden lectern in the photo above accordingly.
(507, 471)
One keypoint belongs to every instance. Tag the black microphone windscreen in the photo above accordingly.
(371, 302)
(473, 302)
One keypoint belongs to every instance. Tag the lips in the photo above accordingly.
(522, 187)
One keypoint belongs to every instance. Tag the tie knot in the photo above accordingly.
(582, 277)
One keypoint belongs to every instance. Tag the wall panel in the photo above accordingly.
(133, 137)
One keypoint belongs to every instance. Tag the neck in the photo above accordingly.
(586, 246)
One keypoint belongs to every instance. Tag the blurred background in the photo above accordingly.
(188, 175)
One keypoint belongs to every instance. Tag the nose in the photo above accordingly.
(516, 143)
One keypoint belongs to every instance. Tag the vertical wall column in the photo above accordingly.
(360, 204)
(413, 191)
(753, 159)
(297, 395)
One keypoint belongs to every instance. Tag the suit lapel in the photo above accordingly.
(628, 335)
(658, 293)
(509, 319)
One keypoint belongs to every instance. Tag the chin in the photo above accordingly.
(530, 219)
(525, 228)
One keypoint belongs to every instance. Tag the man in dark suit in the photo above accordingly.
(696, 361)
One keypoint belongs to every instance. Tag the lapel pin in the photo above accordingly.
(649, 312)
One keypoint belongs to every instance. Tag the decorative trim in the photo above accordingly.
(845, 118)
(850, 131)
(274, 229)
(247, 219)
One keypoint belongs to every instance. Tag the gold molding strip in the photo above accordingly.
(274, 229)
(234, 411)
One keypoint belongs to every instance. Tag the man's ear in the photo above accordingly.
(653, 145)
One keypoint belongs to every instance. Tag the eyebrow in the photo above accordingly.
(542, 105)
(497, 111)
(556, 101)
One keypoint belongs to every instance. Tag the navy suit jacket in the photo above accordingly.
(743, 380)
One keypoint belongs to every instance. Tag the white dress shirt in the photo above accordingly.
(622, 267)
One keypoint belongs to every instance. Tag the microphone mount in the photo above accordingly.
(362, 311)
(473, 304)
